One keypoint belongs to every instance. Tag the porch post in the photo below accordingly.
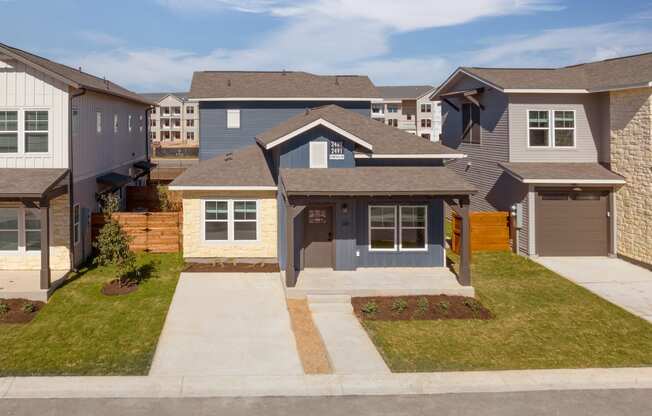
(290, 272)
(465, 243)
(44, 209)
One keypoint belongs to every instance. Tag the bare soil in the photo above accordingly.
(115, 287)
(312, 351)
(16, 314)
(406, 308)
(224, 267)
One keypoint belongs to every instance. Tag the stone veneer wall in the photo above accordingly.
(194, 247)
(59, 241)
(631, 157)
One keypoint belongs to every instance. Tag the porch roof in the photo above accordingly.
(562, 173)
(375, 181)
(29, 183)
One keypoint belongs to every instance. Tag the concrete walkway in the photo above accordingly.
(618, 281)
(326, 385)
(226, 324)
(348, 346)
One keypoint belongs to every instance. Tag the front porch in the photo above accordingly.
(25, 284)
(382, 281)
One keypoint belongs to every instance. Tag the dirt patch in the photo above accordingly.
(405, 308)
(18, 311)
(311, 348)
(224, 267)
(115, 287)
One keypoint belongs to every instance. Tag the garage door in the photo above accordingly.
(572, 223)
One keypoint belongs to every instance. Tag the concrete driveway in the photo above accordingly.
(227, 324)
(618, 281)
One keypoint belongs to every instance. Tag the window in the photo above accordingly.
(176, 111)
(115, 124)
(152, 135)
(190, 123)
(176, 122)
(231, 220)
(426, 108)
(32, 230)
(165, 135)
(337, 150)
(538, 128)
(76, 215)
(165, 111)
(392, 108)
(36, 131)
(75, 121)
(9, 229)
(470, 123)
(564, 128)
(8, 131)
(232, 119)
(392, 122)
(382, 228)
(140, 123)
(98, 122)
(129, 123)
(318, 154)
(426, 136)
(376, 108)
(176, 135)
(152, 122)
(153, 110)
(165, 122)
(413, 228)
(190, 135)
(409, 117)
(190, 109)
(426, 122)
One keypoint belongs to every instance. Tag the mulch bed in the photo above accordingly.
(406, 308)
(114, 288)
(16, 314)
(232, 268)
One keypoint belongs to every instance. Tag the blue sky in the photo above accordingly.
(151, 45)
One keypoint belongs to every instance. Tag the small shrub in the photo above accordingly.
(472, 304)
(4, 309)
(423, 305)
(369, 308)
(444, 306)
(163, 198)
(399, 305)
(29, 307)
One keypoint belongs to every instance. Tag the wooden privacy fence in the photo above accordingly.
(489, 231)
(154, 232)
(146, 198)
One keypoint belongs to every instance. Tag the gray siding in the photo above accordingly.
(295, 153)
(588, 127)
(255, 117)
(481, 166)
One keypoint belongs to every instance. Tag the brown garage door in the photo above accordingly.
(572, 223)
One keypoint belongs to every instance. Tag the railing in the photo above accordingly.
(175, 152)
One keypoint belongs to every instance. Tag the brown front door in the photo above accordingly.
(572, 223)
(318, 237)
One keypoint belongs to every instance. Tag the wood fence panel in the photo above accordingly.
(146, 198)
(154, 232)
(489, 231)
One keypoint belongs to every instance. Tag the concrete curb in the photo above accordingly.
(325, 385)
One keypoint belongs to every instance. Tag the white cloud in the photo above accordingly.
(100, 38)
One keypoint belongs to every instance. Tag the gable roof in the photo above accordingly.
(245, 168)
(610, 74)
(231, 85)
(158, 96)
(404, 92)
(71, 76)
(383, 139)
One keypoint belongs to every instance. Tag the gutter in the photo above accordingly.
(149, 171)
(71, 193)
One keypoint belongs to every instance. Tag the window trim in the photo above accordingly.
(22, 233)
(76, 224)
(551, 130)
(325, 146)
(424, 228)
(369, 228)
(230, 234)
(98, 122)
(21, 131)
(233, 111)
(17, 131)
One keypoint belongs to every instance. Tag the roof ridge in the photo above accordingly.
(617, 58)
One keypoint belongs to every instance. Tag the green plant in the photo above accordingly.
(444, 306)
(163, 198)
(369, 308)
(29, 307)
(399, 305)
(473, 305)
(4, 308)
(423, 305)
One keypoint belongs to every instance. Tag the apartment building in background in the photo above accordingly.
(409, 108)
(174, 122)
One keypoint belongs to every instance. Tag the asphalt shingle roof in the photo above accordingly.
(560, 171)
(30, 182)
(403, 91)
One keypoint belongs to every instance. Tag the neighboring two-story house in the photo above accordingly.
(66, 137)
(409, 108)
(569, 149)
(284, 181)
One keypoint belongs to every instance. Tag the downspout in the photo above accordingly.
(71, 195)
(149, 171)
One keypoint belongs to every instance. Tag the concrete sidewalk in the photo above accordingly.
(326, 385)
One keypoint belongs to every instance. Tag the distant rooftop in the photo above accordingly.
(406, 92)
(158, 96)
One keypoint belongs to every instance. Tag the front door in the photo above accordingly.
(318, 237)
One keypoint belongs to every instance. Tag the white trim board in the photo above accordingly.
(282, 99)
(319, 122)
(566, 181)
(411, 156)
(220, 188)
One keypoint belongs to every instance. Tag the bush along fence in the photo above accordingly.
(489, 231)
(154, 232)
(152, 198)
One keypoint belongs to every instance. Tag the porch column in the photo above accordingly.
(290, 272)
(465, 243)
(44, 209)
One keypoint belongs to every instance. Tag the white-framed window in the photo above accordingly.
(20, 230)
(233, 119)
(176, 111)
(382, 228)
(176, 135)
(129, 123)
(9, 230)
(152, 135)
(75, 121)
(116, 124)
(190, 135)
(8, 131)
(76, 223)
(36, 131)
(153, 110)
(318, 154)
(176, 122)
(426, 108)
(165, 135)
(190, 109)
(190, 123)
(564, 131)
(538, 128)
(165, 111)
(413, 221)
(32, 230)
(152, 122)
(392, 108)
(426, 122)
(376, 108)
(230, 220)
(98, 122)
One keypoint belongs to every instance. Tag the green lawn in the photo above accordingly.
(542, 321)
(82, 332)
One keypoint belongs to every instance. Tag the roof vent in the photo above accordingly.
(307, 111)
(337, 80)
(80, 69)
(228, 82)
(228, 156)
(284, 72)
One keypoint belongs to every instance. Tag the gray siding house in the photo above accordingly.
(544, 143)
